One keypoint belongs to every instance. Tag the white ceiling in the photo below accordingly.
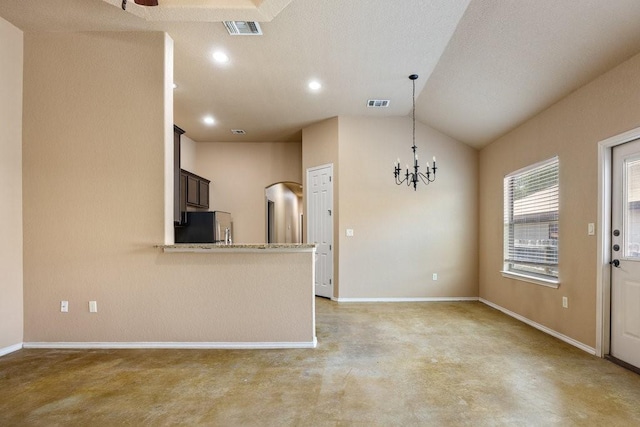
(509, 60)
(485, 66)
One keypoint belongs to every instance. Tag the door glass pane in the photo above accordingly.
(632, 209)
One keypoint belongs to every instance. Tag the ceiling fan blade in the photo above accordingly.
(147, 2)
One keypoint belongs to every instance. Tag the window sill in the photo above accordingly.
(536, 280)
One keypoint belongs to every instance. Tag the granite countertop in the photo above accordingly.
(239, 247)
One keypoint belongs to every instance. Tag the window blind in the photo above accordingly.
(531, 211)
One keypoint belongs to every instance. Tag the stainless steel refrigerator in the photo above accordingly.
(206, 227)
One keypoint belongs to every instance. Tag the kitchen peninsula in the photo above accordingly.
(266, 292)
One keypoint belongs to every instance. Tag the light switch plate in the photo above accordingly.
(349, 232)
(93, 306)
(591, 229)
(64, 306)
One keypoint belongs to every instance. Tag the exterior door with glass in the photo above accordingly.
(625, 254)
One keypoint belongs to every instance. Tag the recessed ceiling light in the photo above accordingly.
(315, 85)
(220, 57)
(208, 120)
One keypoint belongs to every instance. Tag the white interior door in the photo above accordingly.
(625, 254)
(320, 225)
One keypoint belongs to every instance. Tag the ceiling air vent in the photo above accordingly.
(238, 132)
(378, 103)
(243, 28)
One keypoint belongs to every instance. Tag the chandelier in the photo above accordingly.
(412, 178)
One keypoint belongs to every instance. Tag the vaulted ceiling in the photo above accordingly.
(485, 66)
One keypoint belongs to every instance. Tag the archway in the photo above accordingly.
(283, 212)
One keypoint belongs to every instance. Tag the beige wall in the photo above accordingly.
(93, 180)
(570, 129)
(188, 153)
(11, 312)
(94, 193)
(239, 174)
(320, 147)
(401, 236)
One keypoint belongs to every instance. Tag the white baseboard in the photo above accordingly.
(542, 328)
(174, 345)
(10, 349)
(418, 299)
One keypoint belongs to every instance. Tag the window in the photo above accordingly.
(631, 225)
(531, 210)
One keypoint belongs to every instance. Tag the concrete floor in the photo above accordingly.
(376, 364)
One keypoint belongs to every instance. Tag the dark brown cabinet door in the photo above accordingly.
(203, 189)
(183, 196)
(193, 191)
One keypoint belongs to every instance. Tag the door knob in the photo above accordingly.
(615, 263)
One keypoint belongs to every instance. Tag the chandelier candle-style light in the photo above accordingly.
(412, 178)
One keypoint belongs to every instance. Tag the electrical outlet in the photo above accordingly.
(93, 307)
(64, 306)
(435, 276)
(565, 302)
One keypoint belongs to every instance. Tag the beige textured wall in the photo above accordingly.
(94, 191)
(11, 316)
(239, 174)
(402, 236)
(320, 147)
(188, 153)
(571, 129)
(93, 180)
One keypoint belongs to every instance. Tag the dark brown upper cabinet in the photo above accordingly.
(197, 194)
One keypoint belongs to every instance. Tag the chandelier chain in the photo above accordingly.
(412, 178)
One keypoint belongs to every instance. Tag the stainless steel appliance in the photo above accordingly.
(206, 227)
